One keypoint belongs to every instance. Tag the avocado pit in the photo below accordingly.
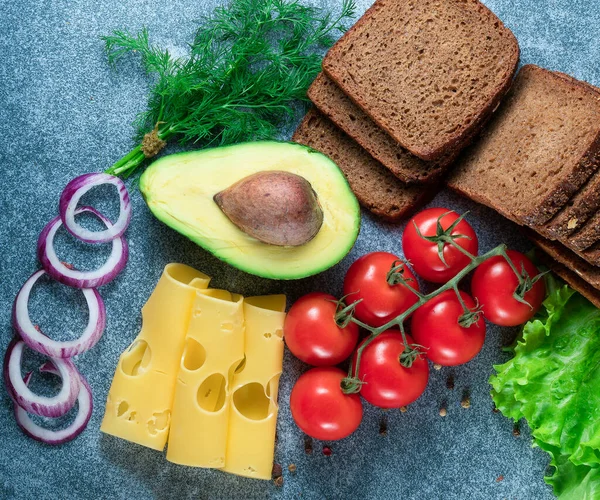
(275, 207)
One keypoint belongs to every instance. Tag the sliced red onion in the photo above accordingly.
(73, 192)
(72, 277)
(40, 342)
(44, 406)
(48, 436)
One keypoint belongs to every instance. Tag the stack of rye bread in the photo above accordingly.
(421, 92)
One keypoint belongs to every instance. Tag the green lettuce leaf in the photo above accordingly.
(553, 382)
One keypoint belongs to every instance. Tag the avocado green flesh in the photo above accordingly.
(179, 190)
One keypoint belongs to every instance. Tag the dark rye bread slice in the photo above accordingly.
(560, 253)
(428, 72)
(541, 146)
(571, 278)
(375, 187)
(582, 205)
(576, 212)
(587, 236)
(340, 109)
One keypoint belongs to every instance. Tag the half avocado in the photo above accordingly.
(180, 191)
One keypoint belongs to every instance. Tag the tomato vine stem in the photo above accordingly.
(352, 383)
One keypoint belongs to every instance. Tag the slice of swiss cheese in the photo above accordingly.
(214, 348)
(253, 410)
(139, 402)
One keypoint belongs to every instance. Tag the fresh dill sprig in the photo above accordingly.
(249, 63)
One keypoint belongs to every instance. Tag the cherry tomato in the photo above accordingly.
(423, 254)
(493, 286)
(311, 333)
(387, 383)
(435, 326)
(381, 302)
(321, 409)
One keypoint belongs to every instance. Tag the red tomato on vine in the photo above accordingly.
(385, 381)
(368, 283)
(496, 287)
(436, 326)
(321, 409)
(312, 334)
(423, 250)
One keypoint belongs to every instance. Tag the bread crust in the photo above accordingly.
(463, 135)
(317, 132)
(558, 187)
(381, 146)
(586, 271)
(571, 278)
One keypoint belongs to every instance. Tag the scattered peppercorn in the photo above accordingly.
(443, 411)
(278, 481)
(277, 471)
(437, 366)
(494, 409)
(516, 431)
(466, 399)
(327, 451)
(308, 447)
(292, 468)
(450, 382)
(499, 478)
(403, 409)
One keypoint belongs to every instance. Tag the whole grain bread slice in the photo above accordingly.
(560, 253)
(583, 204)
(542, 145)
(374, 186)
(571, 278)
(428, 72)
(578, 210)
(586, 236)
(340, 109)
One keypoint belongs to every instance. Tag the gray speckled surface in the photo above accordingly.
(65, 113)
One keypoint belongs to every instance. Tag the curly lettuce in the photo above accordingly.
(553, 382)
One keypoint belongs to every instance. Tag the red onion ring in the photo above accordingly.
(43, 406)
(39, 342)
(84, 413)
(72, 277)
(73, 192)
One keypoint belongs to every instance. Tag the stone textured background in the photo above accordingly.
(64, 112)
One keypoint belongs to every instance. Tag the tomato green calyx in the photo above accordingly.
(410, 354)
(344, 313)
(395, 276)
(526, 283)
(443, 236)
(469, 316)
(351, 385)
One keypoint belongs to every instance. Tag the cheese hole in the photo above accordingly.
(251, 401)
(194, 355)
(234, 369)
(279, 333)
(197, 312)
(227, 327)
(272, 388)
(131, 417)
(122, 408)
(211, 393)
(137, 358)
(159, 422)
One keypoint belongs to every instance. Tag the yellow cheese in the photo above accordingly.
(140, 399)
(214, 348)
(253, 412)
